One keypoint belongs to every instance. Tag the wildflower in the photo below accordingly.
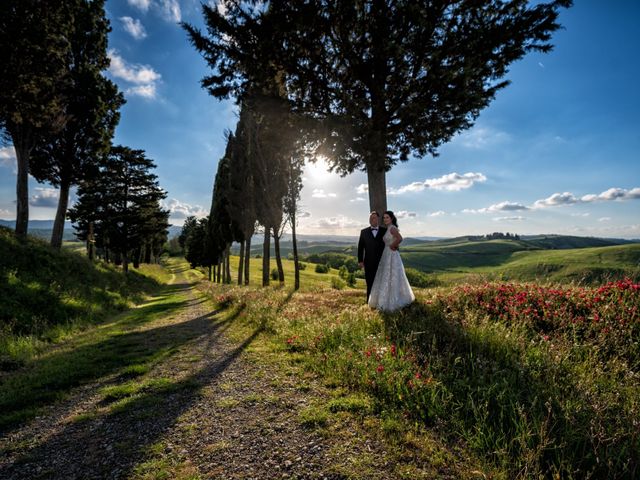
(380, 368)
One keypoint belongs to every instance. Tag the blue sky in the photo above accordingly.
(556, 152)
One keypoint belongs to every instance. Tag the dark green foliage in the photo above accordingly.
(35, 48)
(118, 208)
(196, 242)
(381, 80)
(419, 279)
(320, 268)
(91, 108)
(334, 260)
(411, 74)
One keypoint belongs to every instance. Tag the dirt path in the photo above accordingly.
(206, 411)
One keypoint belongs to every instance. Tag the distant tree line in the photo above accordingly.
(496, 236)
(60, 112)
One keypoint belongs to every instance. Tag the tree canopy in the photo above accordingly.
(385, 79)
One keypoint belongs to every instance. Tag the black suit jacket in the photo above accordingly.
(370, 249)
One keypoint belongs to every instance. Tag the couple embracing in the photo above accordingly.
(387, 286)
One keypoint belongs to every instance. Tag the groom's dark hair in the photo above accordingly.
(375, 213)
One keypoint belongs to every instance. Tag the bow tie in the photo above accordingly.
(374, 229)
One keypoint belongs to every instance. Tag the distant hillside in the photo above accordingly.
(566, 241)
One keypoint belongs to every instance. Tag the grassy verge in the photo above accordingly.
(541, 381)
(50, 295)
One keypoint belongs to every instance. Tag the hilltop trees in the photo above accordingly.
(383, 79)
(392, 79)
(91, 108)
(34, 54)
(119, 209)
(55, 106)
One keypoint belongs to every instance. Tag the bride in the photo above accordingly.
(390, 290)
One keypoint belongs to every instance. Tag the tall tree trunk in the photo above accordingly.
(147, 252)
(266, 256)
(376, 176)
(227, 264)
(214, 273)
(241, 263)
(23, 149)
(61, 214)
(276, 246)
(91, 243)
(296, 263)
(137, 255)
(247, 263)
(210, 268)
(219, 275)
(125, 262)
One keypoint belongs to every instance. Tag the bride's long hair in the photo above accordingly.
(394, 220)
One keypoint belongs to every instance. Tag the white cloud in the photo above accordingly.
(604, 219)
(449, 182)
(5, 213)
(171, 10)
(555, 200)
(336, 223)
(567, 198)
(144, 77)
(303, 215)
(320, 193)
(168, 9)
(146, 91)
(134, 27)
(439, 213)
(357, 199)
(499, 207)
(362, 189)
(139, 74)
(580, 214)
(405, 214)
(179, 210)
(140, 4)
(46, 197)
(517, 218)
(8, 158)
(480, 138)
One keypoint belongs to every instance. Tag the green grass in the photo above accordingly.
(463, 261)
(50, 295)
(536, 395)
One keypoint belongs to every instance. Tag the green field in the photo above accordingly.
(499, 259)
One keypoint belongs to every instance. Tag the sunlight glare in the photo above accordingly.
(319, 171)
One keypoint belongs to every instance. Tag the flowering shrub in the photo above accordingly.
(608, 315)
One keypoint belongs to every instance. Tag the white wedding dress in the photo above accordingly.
(390, 290)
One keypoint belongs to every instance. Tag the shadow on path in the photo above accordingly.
(112, 445)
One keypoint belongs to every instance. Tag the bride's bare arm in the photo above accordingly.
(397, 238)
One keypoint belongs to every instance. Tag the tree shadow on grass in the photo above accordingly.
(50, 377)
(522, 414)
(112, 445)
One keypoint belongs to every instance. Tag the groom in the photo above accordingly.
(370, 248)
